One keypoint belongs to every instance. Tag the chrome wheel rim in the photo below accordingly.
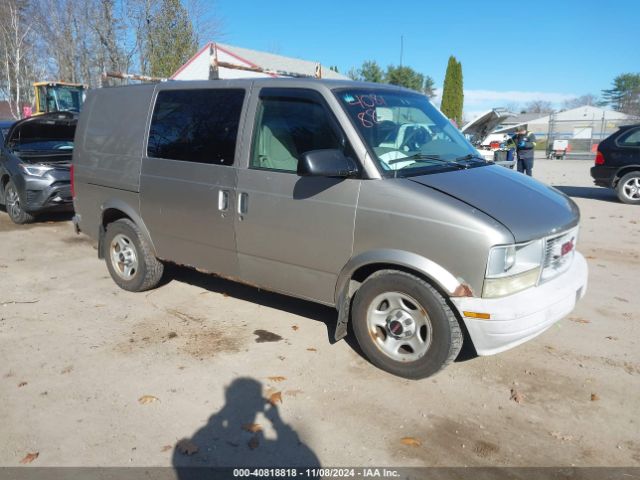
(124, 257)
(13, 203)
(399, 326)
(631, 188)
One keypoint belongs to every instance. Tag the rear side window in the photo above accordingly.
(630, 139)
(196, 125)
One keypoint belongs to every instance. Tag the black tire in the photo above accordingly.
(148, 269)
(446, 335)
(13, 206)
(625, 186)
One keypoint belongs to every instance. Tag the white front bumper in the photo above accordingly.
(521, 316)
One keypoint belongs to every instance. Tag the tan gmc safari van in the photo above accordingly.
(356, 195)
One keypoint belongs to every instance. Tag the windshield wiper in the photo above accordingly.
(421, 157)
(469, 156)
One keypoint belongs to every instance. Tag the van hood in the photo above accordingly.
(528, 208)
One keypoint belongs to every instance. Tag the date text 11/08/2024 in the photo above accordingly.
(316, 472)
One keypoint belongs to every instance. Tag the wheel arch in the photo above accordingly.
(622, 171)
(116, 209)
(360, 267)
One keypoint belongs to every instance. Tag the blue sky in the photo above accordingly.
(511, 52)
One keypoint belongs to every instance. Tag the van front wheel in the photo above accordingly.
(129, 259)
(404, 325)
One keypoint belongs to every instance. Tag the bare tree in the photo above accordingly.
(539, 106)
(15, 48)
(581, 101)
(206, 25)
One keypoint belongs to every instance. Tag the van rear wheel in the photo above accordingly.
(404, 325)
(129, 259)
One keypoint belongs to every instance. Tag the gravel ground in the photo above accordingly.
(91, 375)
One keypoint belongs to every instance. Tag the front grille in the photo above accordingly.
(558, 254)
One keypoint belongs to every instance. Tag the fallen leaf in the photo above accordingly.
(147, 399)
(275, 398)
(252, 427)
(30, 457)
(277, 379)
(311, 349)
(560, 436)
(253, 443)
(172, 335)
(186, 447)
(67, 369)
(578, 320)
(590, 257)
(166, 448)
(516, 396)
(411, 442)
(22, 384)
(594, 397)
(294, 327)
(609, 337)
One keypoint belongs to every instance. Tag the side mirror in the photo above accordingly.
(326, 163)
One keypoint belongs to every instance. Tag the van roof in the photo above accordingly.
(279, 82)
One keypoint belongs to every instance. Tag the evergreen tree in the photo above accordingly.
(624, 96)
(405, 77)
(171, 39)
(371, 72)
(452, 92)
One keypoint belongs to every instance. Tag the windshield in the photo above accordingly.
(67, 98)
(406, 134)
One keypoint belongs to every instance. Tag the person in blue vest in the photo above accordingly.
(525, 142)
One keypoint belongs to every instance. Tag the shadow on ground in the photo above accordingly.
(593, 193)
(246, 432)
(6, 225)
(295, 306)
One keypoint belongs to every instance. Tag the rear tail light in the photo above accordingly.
(599, 158)
(73, 188)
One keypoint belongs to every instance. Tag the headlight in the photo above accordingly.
(36, 170)
(512, 268)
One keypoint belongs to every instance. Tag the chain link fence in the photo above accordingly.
(579, 138)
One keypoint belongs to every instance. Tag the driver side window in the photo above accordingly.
(288, 127)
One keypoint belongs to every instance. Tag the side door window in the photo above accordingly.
(196, 125)
(287, 127)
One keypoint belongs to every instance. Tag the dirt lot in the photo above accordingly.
(93, 375)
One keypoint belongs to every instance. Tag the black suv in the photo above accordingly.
(618, 164)
(35, 162)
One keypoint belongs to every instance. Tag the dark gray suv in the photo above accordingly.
(35, 159)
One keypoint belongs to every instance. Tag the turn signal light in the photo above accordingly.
(482, 316)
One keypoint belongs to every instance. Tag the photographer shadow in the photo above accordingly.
(235, 436)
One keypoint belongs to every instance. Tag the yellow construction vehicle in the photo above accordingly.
(58, 96)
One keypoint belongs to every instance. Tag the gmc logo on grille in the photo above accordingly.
(566, 247)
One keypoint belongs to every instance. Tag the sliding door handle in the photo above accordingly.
(223, 200)
(243, 200)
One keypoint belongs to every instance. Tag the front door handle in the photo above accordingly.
(243, 200)
(223, 200)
